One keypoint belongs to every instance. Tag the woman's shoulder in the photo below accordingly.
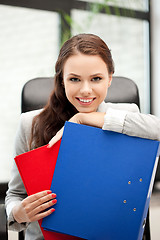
(26, 122)
(23, 134)
(27, 117)
(132, 107)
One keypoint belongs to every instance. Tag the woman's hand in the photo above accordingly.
(35, 207)
(95, 119)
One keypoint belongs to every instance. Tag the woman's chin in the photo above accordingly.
(86, 110)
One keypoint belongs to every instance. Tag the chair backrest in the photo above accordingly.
(35, 92)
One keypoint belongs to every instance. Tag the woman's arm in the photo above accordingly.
(118, 120)
(21, 208)
(133, 124)
(16, 191)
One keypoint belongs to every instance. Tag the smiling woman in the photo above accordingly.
(83, 73)
(80, 59)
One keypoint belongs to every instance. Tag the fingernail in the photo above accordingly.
(49, 191)
(54, 195)
(54, 201)
(52, 210)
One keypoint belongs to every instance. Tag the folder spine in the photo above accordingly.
(143, 222)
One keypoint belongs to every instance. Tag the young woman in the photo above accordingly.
(83, 73)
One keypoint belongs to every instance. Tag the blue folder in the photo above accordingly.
(103, 181)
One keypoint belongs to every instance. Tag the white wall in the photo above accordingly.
(155, 48)
(29, 44)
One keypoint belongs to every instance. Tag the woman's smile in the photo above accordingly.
(85, 101)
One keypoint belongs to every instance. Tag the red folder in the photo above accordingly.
(36, 168)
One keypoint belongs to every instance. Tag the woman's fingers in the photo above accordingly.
(34, 207)
(36, 196)
(42, 215)
(42, 208)
(56, 138)
(37, 200)
(44, 194)
(75, 119)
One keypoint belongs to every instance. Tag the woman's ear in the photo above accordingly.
(110, 80)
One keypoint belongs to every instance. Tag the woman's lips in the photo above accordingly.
(85, 101)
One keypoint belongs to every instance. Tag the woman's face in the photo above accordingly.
(86, 81)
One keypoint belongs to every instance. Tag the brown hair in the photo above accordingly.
(59, 109)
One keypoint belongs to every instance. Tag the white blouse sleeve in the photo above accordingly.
(132, 123)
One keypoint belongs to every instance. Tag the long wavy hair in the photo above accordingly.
(58, 109)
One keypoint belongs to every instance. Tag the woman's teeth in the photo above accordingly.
(85, 100)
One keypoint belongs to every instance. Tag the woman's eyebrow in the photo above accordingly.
(95, 74)
(73, 74)
(92, 75)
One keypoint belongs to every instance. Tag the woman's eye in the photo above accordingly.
(74, 79)
(96, 79)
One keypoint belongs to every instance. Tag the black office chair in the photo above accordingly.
(3, 219)
(34, 96)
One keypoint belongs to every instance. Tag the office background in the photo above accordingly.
(31, 34)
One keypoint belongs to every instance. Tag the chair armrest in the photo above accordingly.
(3, 223)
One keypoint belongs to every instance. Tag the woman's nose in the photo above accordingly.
(86, 88)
